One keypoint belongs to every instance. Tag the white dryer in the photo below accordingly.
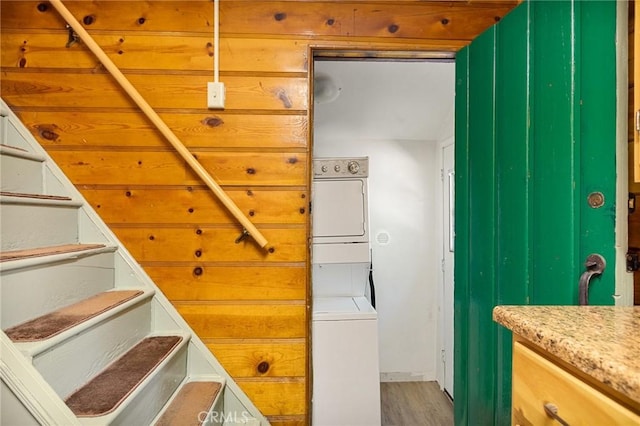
(340, 200)
(340, 211)
(346, 374)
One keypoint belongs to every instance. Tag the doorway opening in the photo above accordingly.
(397, 110)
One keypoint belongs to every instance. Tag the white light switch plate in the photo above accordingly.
(215, 95)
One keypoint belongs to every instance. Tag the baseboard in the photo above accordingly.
(407, 377)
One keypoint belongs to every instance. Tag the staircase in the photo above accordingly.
(87, 337)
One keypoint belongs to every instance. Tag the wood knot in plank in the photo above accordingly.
(210, 50)
(280, 16)
(42, 7)
(263, 367)
(393, 28)
(213, 121)
(89, 19)
(282, 95)
(47, 131)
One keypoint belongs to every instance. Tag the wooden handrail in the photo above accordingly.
(157, 121)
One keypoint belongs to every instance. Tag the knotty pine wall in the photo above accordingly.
(250, 306)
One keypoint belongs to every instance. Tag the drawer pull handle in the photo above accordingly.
(552, 411)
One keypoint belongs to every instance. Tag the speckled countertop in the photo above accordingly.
(601, 341)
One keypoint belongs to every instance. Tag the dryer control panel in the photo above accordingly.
(330, 168)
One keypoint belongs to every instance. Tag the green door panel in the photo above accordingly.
(554, 257)
(535, 135)
(597, 125)
(462, 251)
(482, 226)
(512, 180)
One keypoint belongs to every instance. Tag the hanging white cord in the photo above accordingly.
(216, 39)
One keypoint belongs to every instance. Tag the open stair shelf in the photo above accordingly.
(87, 337)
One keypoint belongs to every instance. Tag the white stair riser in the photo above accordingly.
(13, 412)
(10, 135)
(73, 362)
(34, 291)
(235, 413)
(32, 225)
(217, 415)
(20, 175)
(147, 401)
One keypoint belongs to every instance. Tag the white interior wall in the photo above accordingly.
(399, 115)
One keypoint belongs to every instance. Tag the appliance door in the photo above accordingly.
(339, 211)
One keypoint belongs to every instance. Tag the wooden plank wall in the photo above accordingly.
(250, 306)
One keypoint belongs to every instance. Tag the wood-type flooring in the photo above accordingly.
(415, 404)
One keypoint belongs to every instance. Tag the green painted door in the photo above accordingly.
(535, 135)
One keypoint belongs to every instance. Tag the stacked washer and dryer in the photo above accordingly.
(346, 373)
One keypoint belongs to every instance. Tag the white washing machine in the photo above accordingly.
(346, 373)
(346, 377)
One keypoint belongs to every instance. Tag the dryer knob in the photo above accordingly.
(324, 169)
(336, 168)
(353, 167)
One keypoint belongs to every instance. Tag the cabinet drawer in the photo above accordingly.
(537, 381)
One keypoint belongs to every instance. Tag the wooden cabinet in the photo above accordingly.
(539, 379)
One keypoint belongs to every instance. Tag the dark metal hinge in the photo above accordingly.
(633, 262)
